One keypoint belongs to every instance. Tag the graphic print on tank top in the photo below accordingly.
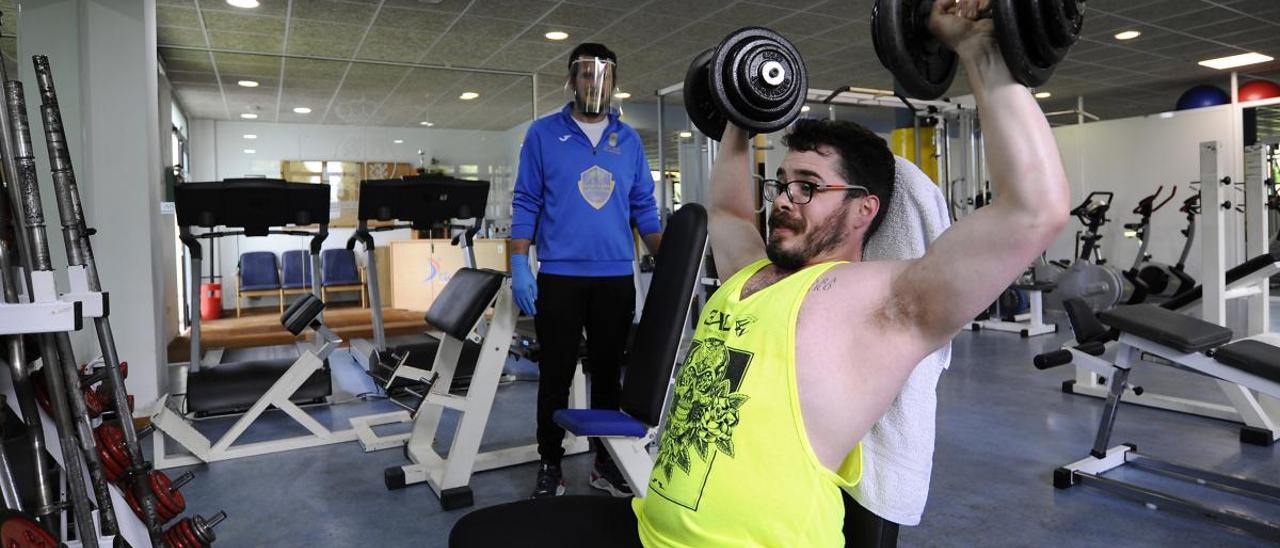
(703, 415)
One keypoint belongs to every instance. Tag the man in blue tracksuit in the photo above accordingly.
(583, 182)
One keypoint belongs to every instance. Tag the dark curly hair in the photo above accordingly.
(865, 159)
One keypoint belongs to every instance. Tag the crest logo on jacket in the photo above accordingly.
(596, 186)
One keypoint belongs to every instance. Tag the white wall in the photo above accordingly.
(1132, 157)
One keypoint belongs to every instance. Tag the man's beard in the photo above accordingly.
(827, 236)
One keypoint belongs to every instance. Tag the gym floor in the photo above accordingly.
(1003, 427)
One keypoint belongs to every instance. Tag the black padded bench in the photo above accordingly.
(1253, 357)
(1179, 331)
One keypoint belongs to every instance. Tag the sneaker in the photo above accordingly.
(606, 477)
(550, 482)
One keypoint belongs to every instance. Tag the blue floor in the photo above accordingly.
(1002, 428)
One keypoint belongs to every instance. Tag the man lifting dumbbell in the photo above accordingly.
(583, 181)
(804, 346)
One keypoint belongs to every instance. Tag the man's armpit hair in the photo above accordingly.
(904, 307)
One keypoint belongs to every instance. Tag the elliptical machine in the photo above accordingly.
(1162, 280)
(1142, 231)
(1089, 278)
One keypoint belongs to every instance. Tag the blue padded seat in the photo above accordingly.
(599, 422)
(338, 267)
(296, 266)
(258, 271)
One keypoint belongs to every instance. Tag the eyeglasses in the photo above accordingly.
(801, 192)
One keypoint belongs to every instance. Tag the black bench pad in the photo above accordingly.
(1179, 331)
(1251, 356)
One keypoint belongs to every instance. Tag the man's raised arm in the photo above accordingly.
(978, 257)
(735, 242)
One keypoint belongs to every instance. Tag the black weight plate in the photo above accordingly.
(1035, 23)
(758, 102)
(922, 65)
(1013, 44)
(698, 100)
(1064, 20)
(739, 88)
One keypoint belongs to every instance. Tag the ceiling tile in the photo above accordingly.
(517, 10)
(333, 11)
(243, 41)
(172, 16)
(493, 29)
(221, 20)
(396, 48)
(274, 8)
(179, 36)
(414, 20)
(462, 50)
(591, 18)
(447, 6)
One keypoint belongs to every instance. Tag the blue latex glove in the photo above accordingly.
(523, 285)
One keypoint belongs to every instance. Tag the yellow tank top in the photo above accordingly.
(734, 465)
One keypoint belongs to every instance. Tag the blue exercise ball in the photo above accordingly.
(1203, 96)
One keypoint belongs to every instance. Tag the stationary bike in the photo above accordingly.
(1089, 278)
(1162, 280)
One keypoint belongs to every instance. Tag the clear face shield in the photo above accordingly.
(592, 83)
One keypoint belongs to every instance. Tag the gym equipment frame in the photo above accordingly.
(1260, 415)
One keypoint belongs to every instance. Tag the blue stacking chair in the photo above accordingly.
(258, 275)
(339, 272)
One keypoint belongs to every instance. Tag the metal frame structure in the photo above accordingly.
(449, 476)
(1260, 415)
(203, 450)
(1102, 459)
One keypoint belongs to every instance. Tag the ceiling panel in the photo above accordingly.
(654, 40)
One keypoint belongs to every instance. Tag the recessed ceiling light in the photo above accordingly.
(556, 35)
(398, 141)
(243, 3)
(1223, 63)
(248, 83)
(250, 151)
(425, 123)
(468, 95)
(804, 108)
(302, 110)
(685, 134)
(1044, 95)
(250, 136)
(249, 116)
(622, 95)
(1128, 35)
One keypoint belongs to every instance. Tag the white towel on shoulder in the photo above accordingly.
(898, 452)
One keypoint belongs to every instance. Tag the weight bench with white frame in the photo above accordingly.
(628, 432)
(302, 314)
(457, 312)
(1194, 345)
(1248, 281)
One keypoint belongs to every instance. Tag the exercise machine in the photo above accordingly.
(1089, 277)
(1020, 309)
(1247, 282)
(1190, 344)
(628, 433)
(252, 207)
(1142, 231)
(1162, 280)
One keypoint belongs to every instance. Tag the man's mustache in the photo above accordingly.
(782, 220)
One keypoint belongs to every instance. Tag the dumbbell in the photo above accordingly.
(755, 78)
(109, 439)
(193, 532)
(1034, 35)
(169, 500)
